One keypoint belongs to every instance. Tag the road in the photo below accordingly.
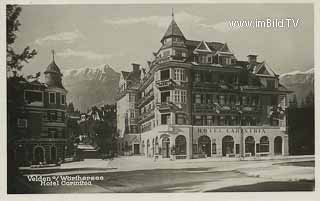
(147, 176)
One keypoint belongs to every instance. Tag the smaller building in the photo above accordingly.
(36, 117)
(98, 128)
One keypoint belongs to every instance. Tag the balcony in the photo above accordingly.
(146, 116)
(146, 99)
(133, 121)
(167, 106)
(164, 84)
(207, 108)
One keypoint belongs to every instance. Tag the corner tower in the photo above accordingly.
(53, 75)
(173, 43)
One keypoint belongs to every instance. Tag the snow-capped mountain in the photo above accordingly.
(88, 86)
(300, 82)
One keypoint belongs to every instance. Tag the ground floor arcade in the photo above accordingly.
(39, 151)
(213, 141)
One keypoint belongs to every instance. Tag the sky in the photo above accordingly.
(118, 35)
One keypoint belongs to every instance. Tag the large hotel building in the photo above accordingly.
(196, 99)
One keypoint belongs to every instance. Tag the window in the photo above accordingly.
(180, 96)
(198, 98)
(202, 59)
(165, 119)
(165, 97)
(22, 123)
(176, 96)
(53, 133)
(228, 60)
(197, 77)
(132, 114)
(33, 96)
(180, 119)
(221, 100)
(209, 120)
(270, 84)
(179, 74)
(214, 148)
(166, 53)
(63, 99)
(183, 96)
(244, 100)
(164, 74)
(197, 120)
(52, 116)
(209, 59)
(52, 98)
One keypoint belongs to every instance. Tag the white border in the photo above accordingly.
(156, 196)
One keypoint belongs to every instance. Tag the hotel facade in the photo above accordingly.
(196, 99)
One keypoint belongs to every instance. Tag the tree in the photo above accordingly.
(310, 99)
(294, 101)
(70, 108)
(15, 60)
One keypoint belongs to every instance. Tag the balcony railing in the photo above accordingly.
(145, 99)
(225, 108)
(146, 116)
(164, 83)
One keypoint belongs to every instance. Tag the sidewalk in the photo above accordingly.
(133, 163)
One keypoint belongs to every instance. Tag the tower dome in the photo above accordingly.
(53, 75)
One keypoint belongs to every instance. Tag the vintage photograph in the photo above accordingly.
(160, 98)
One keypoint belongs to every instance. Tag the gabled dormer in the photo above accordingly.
(268, 78)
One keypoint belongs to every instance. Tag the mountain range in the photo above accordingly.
(301, 83)
(89, 86)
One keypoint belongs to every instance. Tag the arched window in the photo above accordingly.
(227, 145)
(181, 145)
(204, 143)
(264, 144)
(249, 145)
(278, 145)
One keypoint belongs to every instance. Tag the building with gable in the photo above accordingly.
(196, 99)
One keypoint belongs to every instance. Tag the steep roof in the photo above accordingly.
(202, 47)
(53, 68)
(134, 75)
(173, 30)
(214, 46)
(125, 74)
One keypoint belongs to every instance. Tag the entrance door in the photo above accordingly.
(278, 145)
(53, 154)
(165, 147)
(39, 155)
(136, 149)
(249, 145)
(227, 145)
(205, 145)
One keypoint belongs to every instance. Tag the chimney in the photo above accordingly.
(252, 58)
(135, 67)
